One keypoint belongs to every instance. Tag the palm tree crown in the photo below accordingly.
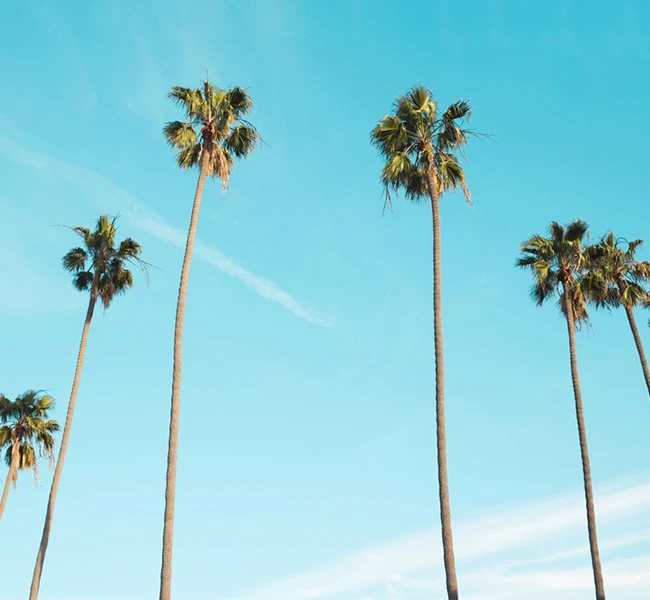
(214, 127)
(620, 276)
(416, 143)
(100, 266)
(559, 264)
(25, 422)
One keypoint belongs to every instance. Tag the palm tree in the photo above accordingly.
(559, 265)
(100, 268)
(621, 280)
(213, 134)
(418, 146)
(25, 429)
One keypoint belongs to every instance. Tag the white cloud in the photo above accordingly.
(116, 199)
(538, 535)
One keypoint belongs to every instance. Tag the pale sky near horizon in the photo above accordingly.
(307, 457)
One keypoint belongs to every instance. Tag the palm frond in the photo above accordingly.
(239, 101)
(390, 136)
(189, 157)
(452, 176)
(576, 230)
(83, 281)
(241, 141)
(461, 109)
(180, 135)
(75, 260)
(129, 249)
(190, 100)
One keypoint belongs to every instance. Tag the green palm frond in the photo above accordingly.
(461, 109)
(239, 101)
(75, 260)
(576, 230)
(452, 175)
(180, 135)
(129, 249)
(83, 281)
(189, 157)
(190, 100)
(451, 137)
(242, 140)
(390, 136)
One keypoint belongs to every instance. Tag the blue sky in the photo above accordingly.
(307, 452)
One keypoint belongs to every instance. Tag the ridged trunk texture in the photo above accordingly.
(584, 451)
(172, 455)
(56, 480)
(441, 435)
(629, 311)
(13, 468)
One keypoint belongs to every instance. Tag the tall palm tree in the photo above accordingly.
(419, 146)
(98, 267)
(25, 430)
(621, 280)
(212, 135)
(559, 265)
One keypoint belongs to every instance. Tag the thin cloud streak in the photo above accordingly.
(397, 564)
(116, 198)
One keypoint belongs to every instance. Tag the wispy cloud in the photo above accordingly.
(550, 534)
(114, 198)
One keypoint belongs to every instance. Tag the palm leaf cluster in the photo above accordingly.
(620, 277)
(214, 129)
(25, 421)
(99, 265)
(559, 264)
(420, 146)
(566, 265)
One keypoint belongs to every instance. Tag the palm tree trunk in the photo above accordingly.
(441, 435)
(584, 451)
(11, 476)
(172, 454)
(629, 311)
(47, 527)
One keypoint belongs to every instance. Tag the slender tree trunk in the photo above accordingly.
(11, 476)
(443, 482)
(584, 451)
(56, 480)
(172, 455)
(629, 311)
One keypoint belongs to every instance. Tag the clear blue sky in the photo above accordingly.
(307, 458)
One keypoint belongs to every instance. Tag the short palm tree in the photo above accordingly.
(559, 265)
(98, 267)
(419, 147)
(213, 134)
(25, 432)
(621, 281)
